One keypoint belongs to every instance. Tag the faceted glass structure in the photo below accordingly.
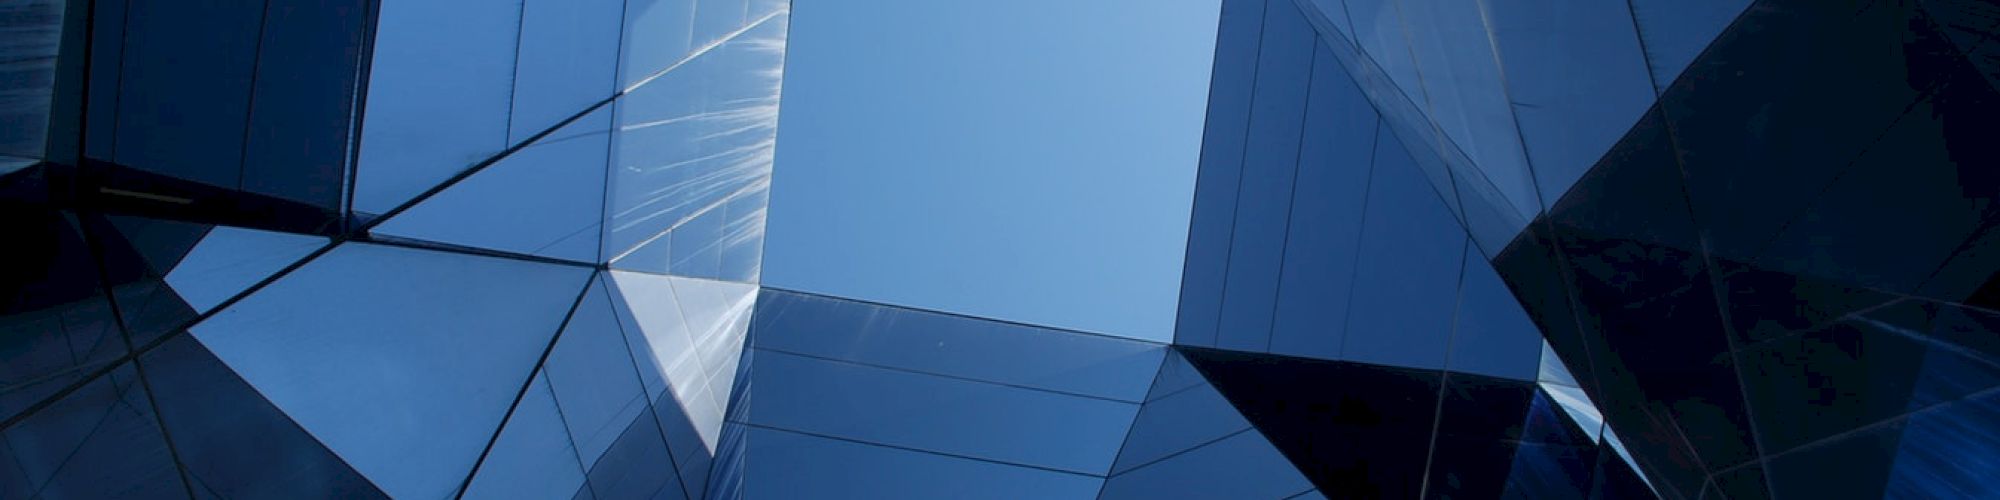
(1439, 249)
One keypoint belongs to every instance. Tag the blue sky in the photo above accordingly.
(1027, 160)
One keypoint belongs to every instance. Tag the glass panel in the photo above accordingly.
(1285, 64)
(1379, 31)
(958, 417)
(1411, 252)
(179, 116)
(1494, 335)
(446, 341)
(34, 29)
(656, 36)
(568, 60)
(1577, 79)
(1176, 422)
(544, 199)
(1675, 31)
(438, 96)
(637, 465)
(790, 465)
(1466, 98)
(1242, 465)
(56, 325)
(233, 441)
(1334, 163)
(98, 442)
(954, 346)
(1221, 169)
(229, 260)
(690, 141)
(299, 117)
(591, 373)
(692, 330)
(532, 457)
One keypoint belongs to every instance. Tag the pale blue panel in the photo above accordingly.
(1244, 466)
(693, 139)
(1495, 336)
(716, 19)
(789, 465)
(1577, 78)
(544, 199)
(438, 95)
(956, 346)
(1335, 158)
(718, 318)
(693, 331)
(1675, 31)
(401, 361)
(1264, 194)
(229, 260)
(656, 36)
(591, 372)
(957, 417)
(1461, 77)
(532, 458)
(568, 61)
(1408, 269)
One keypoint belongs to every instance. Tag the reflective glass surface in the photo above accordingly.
(441, 378)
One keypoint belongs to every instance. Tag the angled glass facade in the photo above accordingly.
(1438, 249)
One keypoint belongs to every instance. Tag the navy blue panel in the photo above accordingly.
(56, 325)
(1358, 429)
(1934, 165)
(1264, 194)
(1408, 269)
(101, 441)
(637, 465)
(790, 465)
(184, 96)
(1222, 146)
(952, 416)
(304, 91)
(955, 346)
(107, 47)
(234, 442)
(1764, 304)
(35, 33)
(1335, 158)
(1764, 101)
(1788, 379)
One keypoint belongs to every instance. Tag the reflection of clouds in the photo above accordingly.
(727, 146)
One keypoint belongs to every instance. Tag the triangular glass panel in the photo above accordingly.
(1188, 441)
(231, 259)
(592, 375)
(545, 199)
(401, 361)
(694, 331)
(227, 434)
(532, 457)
